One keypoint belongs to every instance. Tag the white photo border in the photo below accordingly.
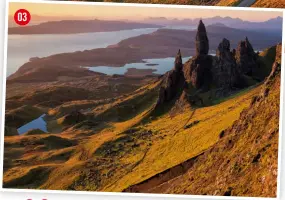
(125, 194)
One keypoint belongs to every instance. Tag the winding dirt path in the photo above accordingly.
(192, 114)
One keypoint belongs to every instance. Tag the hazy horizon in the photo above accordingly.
(116, 12)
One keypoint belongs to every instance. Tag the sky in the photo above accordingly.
(65, 11)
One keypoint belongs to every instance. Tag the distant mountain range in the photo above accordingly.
(96, 25)
(79, 26)
(272, 24)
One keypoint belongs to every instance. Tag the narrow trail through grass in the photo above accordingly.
(188, 120)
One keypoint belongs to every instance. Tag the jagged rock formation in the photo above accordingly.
(202, 42)
(225, 72)
(222, 74)
(198, 70)
(246, 58)
(178, 65)
(172, 82)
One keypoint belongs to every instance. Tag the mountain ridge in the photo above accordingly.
(78, 26)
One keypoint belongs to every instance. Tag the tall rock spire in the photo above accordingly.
(202, 42)
(246, 58)
(198, 70)
(172, 83)
(178, 62)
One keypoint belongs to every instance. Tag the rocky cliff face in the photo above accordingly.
(275, 72)
(246, 58)
(224, 70)
(198, 71)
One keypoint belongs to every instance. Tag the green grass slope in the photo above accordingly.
(244, 160)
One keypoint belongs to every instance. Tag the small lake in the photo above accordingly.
(160, 65)
(38, 123)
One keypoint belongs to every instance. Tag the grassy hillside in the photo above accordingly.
(159, 143)
(243, 161)
(269, 4)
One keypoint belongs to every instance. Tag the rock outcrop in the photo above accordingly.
(198, 69)
(173, 82)
(231, 161)
(246, 58)
(276, 68)
(222, 74)
(274, 74)
(202, 41)
(225, 72)
(178, 65)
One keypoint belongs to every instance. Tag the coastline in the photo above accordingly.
(162, 43)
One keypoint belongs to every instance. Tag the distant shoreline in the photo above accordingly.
(78, 26)
(161, 44)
